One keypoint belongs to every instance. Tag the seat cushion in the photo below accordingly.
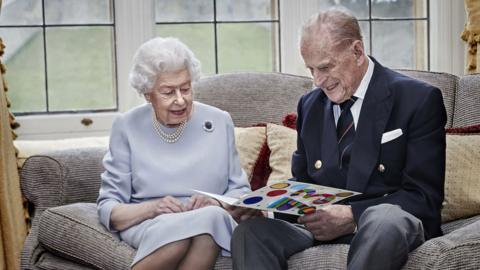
(455, 250)
(74, 232)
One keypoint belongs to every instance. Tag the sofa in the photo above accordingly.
(61, 186)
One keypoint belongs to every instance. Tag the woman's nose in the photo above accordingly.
(179, 99)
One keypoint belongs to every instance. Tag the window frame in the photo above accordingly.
(216, 22)
(44, 26)
(134, 24)
(299, 11)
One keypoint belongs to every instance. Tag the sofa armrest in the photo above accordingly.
(459, 249)
(74, 232)
(62, 177)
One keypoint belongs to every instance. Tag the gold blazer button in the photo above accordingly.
(381, 168)
(318, 164)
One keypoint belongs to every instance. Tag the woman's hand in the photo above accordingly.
(199, 201)
(242, 213)
(125, 215)
(167, 205)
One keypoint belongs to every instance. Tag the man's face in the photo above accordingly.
(335, 69)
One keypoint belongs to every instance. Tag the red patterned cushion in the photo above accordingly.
(261, 169)
(464, 130)
(290, 120)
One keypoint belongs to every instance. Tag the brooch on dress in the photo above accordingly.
(208, 126)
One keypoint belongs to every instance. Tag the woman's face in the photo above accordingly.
(171, 97)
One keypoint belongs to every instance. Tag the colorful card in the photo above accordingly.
(289, 197)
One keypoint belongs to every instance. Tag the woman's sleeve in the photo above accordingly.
(237, 180)
(116, 182)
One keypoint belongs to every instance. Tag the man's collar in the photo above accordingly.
(362, 88)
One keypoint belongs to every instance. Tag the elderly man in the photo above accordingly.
(364, 128)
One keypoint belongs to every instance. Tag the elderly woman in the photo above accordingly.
(159, 153)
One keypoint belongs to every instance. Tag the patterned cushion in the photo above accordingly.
(462, 185)
(249, 142)
(282, 142)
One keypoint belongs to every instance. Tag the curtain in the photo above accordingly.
(12, 219)
(471, 34)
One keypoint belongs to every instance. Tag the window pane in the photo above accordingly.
(25, 12)
(366, 35)
(399, 9)
(25, 68)
(183, 10)
(247, 47)
(80, 68)
(77, 12)
(234, 10)
(400, 44)
(198, 37)
(358, 9)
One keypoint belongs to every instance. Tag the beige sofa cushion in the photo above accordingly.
(27, 148)
(462, 177)
(249, 142)
(282, 142)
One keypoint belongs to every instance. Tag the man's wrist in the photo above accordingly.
(354, 225)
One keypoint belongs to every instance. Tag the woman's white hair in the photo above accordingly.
(160, 55)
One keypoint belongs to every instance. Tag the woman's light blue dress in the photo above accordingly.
(140, 166)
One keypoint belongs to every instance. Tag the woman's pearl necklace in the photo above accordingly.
(168, 137)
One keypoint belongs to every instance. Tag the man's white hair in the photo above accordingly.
(160, 55)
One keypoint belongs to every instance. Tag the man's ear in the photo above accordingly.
(358, 51)
(147, 97)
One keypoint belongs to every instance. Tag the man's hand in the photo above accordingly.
(199, 201)
(330, 222)
(242, 213)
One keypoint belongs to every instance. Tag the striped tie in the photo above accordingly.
(345, 133)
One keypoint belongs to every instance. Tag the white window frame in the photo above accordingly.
(447, 18)
(134, 24)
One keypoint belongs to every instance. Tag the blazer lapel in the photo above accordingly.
(374, 115)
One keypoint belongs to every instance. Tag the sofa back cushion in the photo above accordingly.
(253, 98)
(467, 102)
(447, 83)
(265, 97)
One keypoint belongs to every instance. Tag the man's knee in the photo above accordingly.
(391, 219)
(254, 227)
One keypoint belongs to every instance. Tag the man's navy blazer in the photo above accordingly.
(408, 171)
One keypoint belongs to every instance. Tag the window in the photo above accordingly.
(68, 61)
(395, 32)
(60, 55)
(225, 35)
